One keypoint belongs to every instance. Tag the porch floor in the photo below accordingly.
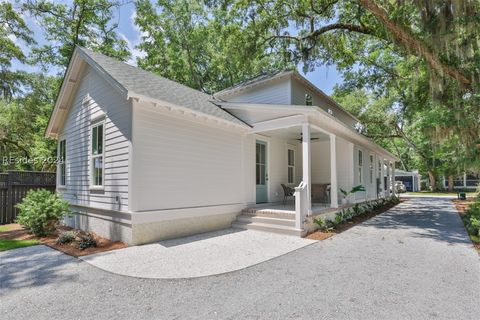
(285, 211)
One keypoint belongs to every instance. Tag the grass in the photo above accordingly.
(441, 193)
(3, 228)
(14, 244)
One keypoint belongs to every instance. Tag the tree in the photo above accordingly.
(201, 44)
(13, 31)
(87, 23)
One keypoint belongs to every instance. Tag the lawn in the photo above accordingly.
(14, 244)
(440, 193)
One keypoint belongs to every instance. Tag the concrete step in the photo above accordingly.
(268, 228)
(266, 220)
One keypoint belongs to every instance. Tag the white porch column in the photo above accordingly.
(387, 174)
(464, 180)
(307, 167)
(393, 178)
(333, 172)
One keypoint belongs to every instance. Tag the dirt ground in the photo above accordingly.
(18, 232)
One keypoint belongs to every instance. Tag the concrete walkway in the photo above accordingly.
(201, 255)
(413, 262)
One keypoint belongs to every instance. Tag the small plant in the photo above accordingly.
(357, 210)
(321, 223)
(40, 210)
(472, 219)
(339, 218)
(87, 241)
(66, 237)
(355, 189)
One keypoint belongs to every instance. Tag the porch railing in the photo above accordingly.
(300, 204)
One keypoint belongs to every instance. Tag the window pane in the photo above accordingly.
(257, 174)
(291, 157)
(257, 157)
(290, 174)
(100, 139)
(97, 171)
(94, 140)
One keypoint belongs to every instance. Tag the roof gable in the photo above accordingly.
(132, 82)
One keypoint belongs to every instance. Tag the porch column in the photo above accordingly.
(464, 180)
(333, 172)
(387, 174)
(307, 167)
(393, 178)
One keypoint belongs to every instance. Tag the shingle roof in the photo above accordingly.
(141, 82)
(259, 78)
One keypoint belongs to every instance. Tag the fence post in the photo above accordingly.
(9, 199)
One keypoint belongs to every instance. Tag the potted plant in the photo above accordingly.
(345, 193)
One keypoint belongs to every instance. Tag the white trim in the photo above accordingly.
(266, 141)
(59, 170)
(91, 157)
(280, 123)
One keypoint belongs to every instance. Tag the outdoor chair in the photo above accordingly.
(287, 192)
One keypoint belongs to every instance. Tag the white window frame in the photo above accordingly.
(360, 166)
(372, 166)
(290, 166)
(92, 157)
(62, 164)
(308, 99)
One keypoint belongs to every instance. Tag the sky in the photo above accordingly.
(324, 77)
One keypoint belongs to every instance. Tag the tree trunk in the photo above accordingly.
(432, 179)
(450, 183)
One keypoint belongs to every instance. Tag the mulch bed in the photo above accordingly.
(322, 235)
(462, 206)
(18, 232)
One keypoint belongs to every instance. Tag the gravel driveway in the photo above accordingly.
(413, 262)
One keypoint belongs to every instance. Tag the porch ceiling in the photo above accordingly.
(295, 133)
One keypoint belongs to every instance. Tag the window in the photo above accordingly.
(308, 99)
(371, 168)
(360, 166)
(97, 155)
(291, 166)
(379, 169)
(62, 156)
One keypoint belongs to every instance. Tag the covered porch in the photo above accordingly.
(304, 149)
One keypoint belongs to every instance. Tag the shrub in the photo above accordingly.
(357, 210)
(87, 241)
(339, 218)
(40, 210)
(472, 219)
(66, 237)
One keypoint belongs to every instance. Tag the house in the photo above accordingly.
(411, 179)
(146, 158)
(466, 181)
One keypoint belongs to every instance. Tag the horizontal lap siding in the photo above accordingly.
(277, 91)
(103, 100)
(180, 163)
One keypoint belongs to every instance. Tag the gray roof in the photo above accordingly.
(259, 78)
(148, 84)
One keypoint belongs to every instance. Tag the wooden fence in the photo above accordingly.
(14, 185)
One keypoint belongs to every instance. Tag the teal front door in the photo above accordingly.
(261, 171)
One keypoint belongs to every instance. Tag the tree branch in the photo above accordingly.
(405, 38)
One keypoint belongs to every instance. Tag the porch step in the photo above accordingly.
(266, 220)
(274, 225)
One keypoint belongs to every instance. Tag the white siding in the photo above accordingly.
(178, 163)
(345, 164)
(276, 92)
(103, 100)
(321, 162)
(298, 98)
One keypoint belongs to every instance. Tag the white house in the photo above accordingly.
(147, 158)
(411, 179)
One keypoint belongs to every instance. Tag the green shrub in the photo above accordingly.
(40, 210)
(339, 218)
(87, 241)
(66, 237)
(357, 210)
(472, 219)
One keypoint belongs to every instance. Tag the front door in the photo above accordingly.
(261, 171)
